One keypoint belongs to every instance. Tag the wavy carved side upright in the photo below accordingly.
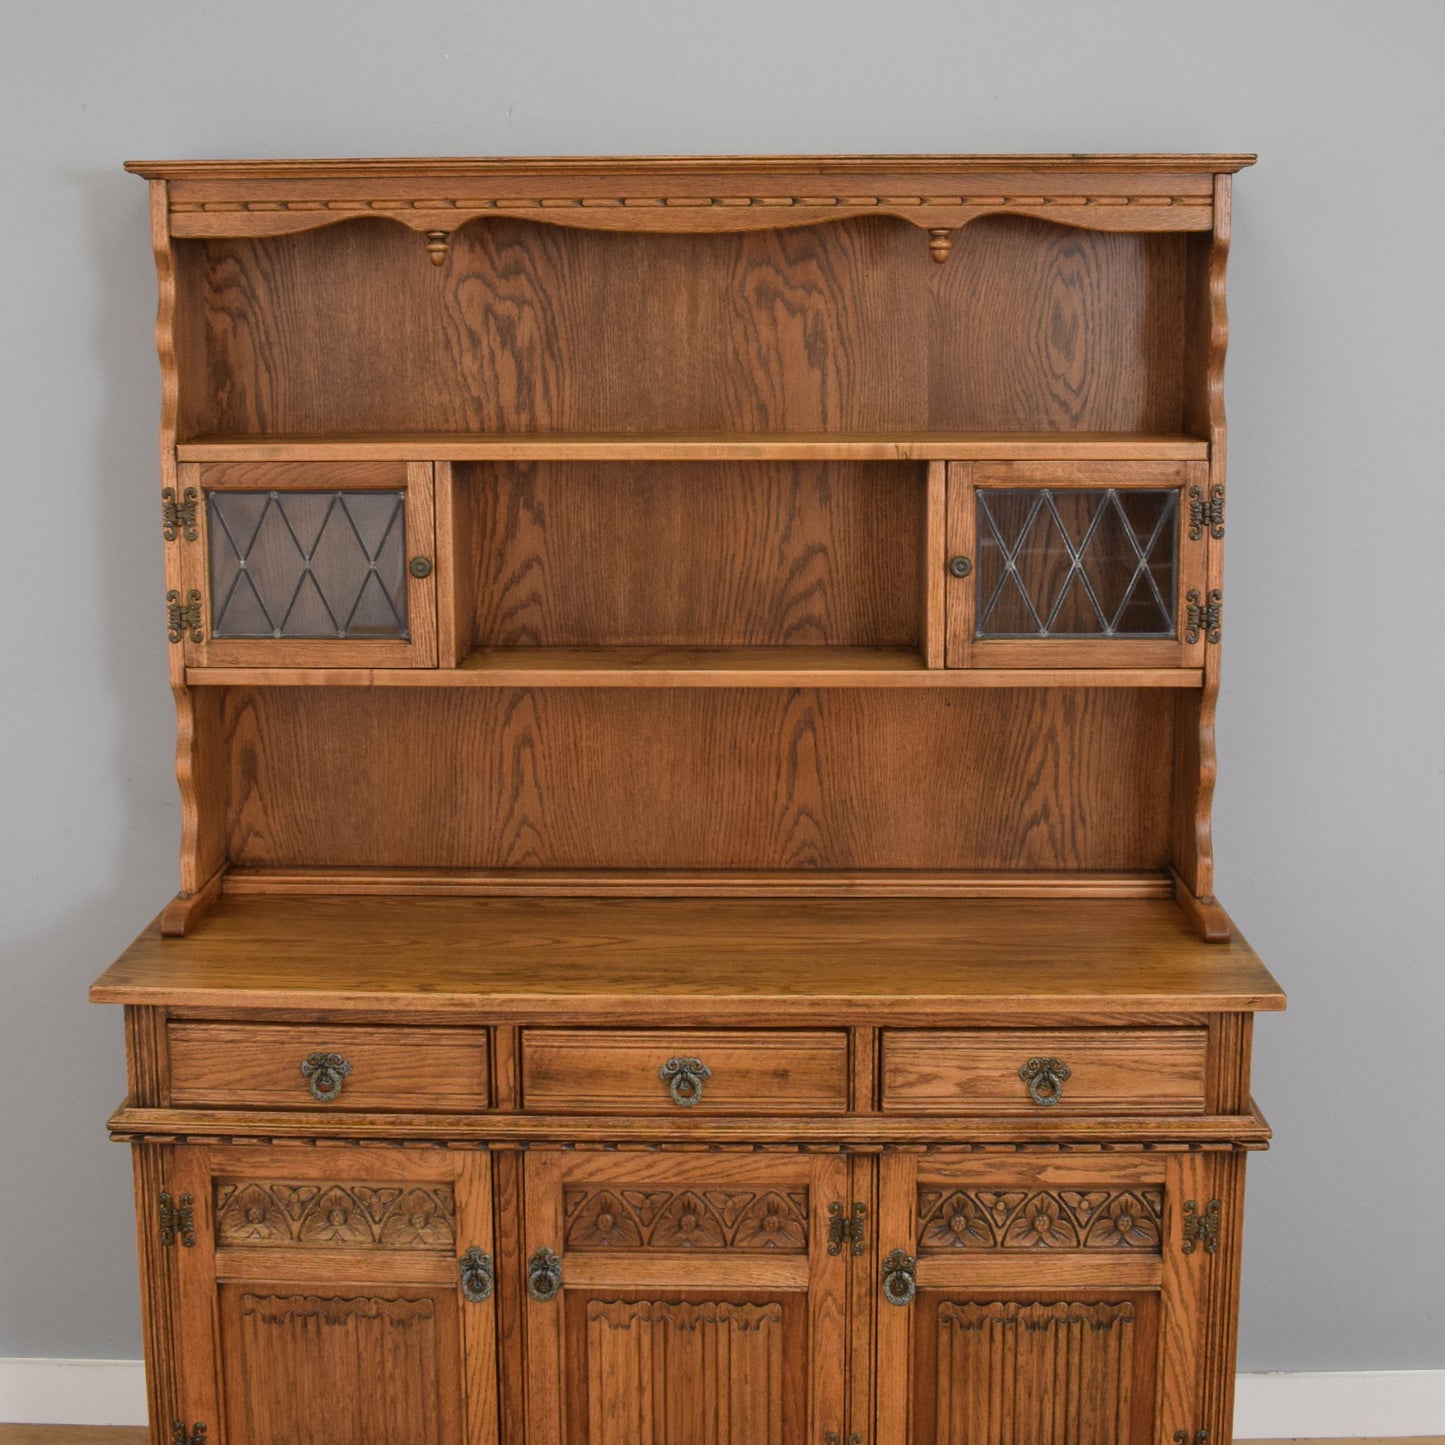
(1196, 850)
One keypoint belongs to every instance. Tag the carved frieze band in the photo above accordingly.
(508, 203)
(683, 1315)
(609, 1218)
(1035, 1315)
(1040, 1219)
(278, 1309)
(351, 1216)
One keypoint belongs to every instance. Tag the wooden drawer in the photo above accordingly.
(1110, 1071)
(260, 1066)
(605, 1071)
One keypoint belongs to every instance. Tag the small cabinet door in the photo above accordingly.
(1056, 1301)
(685, 1297)
(1078, 565)
(310, 564)
(336, 1295)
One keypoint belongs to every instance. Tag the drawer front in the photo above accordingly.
(604, 1071)
(330, 1067)
(1044, 1071)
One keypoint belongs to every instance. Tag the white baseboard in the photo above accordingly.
(72, 1392)
(1267, 1407)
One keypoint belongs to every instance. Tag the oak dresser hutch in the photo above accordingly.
(696, 684)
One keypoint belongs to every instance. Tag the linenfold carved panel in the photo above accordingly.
(753, 1219)
(671, 1371)
(1050, 1373)
(350, 1216)
(1040, 1219)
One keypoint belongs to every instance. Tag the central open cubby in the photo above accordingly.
(689, 554)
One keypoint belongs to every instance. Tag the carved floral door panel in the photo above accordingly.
(1046, 1300)
(349, 1294)
(685, 1298)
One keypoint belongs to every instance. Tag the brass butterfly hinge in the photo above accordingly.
(1204, 514)
(177, 1220)
(183, 617)
(178, 514)
(197, 1435)
(1202, 616)
(1201, 1230)
(849, 1228)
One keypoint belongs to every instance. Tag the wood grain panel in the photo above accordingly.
(235, 1065)
(342, 1363)
(1156, 1071)
(655, 1369)
(1035, 325)
(807, 780)
(607, 1071)
(676, 554)
(1055, 1371)
(841, 327)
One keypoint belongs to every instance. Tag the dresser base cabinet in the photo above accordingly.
(733, 1252)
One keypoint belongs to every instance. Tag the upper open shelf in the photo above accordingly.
(702, 446)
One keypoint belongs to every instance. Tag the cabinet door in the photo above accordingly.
(1049, 1302)
(1078, 564)
(337, 1295)
(314, 564)
(684, 1297)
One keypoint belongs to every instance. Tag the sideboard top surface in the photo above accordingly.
(736, 960)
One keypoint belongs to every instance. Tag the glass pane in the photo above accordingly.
(307, 564)
(1076, 563)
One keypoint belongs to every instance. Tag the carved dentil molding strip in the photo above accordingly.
(1040, 1219)
(349, 1216)
(605, 1218)
(677, 202)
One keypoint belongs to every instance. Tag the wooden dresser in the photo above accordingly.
(696, 687)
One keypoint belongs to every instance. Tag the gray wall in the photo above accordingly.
(1330, 816)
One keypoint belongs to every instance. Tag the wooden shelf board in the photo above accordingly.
(789, 446)
(652, 667)
(748, 961)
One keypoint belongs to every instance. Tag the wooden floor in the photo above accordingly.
(125, 1435)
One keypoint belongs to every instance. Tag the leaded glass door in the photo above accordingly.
(316, 564)
(1076, 564)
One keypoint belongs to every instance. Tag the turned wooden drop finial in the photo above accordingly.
(438, 243)
(940, 243)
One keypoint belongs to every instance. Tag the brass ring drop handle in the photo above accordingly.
(900, 1282)
(544, 1275)
(1046, 1079)
(325, 1073)
(684, 1079)
(477, 1276)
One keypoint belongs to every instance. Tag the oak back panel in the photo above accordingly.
(699, 778)
(845, 326)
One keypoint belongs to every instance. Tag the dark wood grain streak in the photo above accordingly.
(678, 554)
(847, 326)
(779, 779)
